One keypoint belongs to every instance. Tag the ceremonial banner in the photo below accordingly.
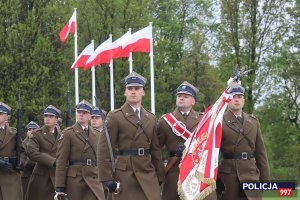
(100, 56)
(138, 42)
(199, 165)
(83, 57)
(70, 27)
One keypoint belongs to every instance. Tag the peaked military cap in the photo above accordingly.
(236, 88)
(134, 79)
(51, 110)
(96, 112)
(84, 106)
(5, 108)
(32, 125)
(187, 88)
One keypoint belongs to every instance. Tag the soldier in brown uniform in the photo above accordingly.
(76, 166)
(10, 180)
(42, 149)
(243, 150)
(96, 119)
(132, 131)
(27, 163)
(184, 112)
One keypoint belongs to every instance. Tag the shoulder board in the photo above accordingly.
(161, 117)
(66, 129)
(252, 116)
(149, 112)
(38, 129)
(13, 128)
(116, 110)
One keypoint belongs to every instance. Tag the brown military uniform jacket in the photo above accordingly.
(171, 141)
(233, 171)
(10, 181)
(28, 167)
(80, 180)
(42, 150)
(139, 175)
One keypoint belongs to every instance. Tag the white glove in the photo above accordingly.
(58, 194)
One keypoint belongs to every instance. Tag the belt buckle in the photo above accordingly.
(89, 162)
(141, 151)
(244, 155)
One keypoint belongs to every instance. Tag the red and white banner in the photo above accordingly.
(83, 57)
(100, 56)
(178, 127)
(199, 165)
(116, 47)
(138, 42)
(70, 27)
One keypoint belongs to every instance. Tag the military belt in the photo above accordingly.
(134, 152)
(87, 162)
(11, 160)
(239, 156)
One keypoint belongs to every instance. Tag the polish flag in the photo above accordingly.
(138, 42)
(100, 56)
(68, 28)
(83, 57)
(116, 47)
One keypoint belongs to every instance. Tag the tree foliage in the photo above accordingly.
(194, 40)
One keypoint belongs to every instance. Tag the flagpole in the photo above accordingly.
(112, 93)
(93, 81)
(130, 58)
(76, 54)
(152, 73)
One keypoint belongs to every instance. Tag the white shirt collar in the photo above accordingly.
(134, 109)
(188, 112)
(84, 127)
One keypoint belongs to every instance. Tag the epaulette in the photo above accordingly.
(162, 116)
(149, 112)
(66, 129)
(13, 128)
(253, 116)
(38, 129)
(116, 110)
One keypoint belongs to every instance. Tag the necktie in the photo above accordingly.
(185, 115)
(137, 112)
(240, 119)
(86, 131)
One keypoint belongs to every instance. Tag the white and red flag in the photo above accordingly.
(199, 165)
(83, 57)
(140, 41)
(100, 56)
(70, 27)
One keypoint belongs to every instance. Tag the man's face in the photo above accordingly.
(97, 122)
(237, 103)
(3, 118)
(50, 120)
(185, 102)
(134, 94)
(83, 117)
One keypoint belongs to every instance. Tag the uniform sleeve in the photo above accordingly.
(157, 156)
(63, 151)
(160, 134)
(34, 154)
(261, 156)
(103, 156)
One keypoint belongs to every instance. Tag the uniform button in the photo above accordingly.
(241, 130)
